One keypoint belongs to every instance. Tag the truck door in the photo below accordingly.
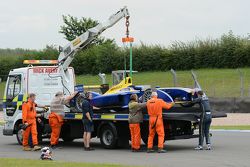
(13, 94)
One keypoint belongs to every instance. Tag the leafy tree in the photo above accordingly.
(74, 27)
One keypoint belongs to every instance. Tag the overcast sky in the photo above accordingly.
(35, 23)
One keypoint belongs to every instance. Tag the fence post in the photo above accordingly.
(196, 83)
(241, 83)
(174, 77)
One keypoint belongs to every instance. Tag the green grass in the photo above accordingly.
(216, 82)
(11, 162)
(241, 127)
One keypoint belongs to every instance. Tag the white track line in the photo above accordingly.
(225, 130)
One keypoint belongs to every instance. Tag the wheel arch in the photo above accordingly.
(17, 123)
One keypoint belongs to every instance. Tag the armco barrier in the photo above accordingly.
(231, 105)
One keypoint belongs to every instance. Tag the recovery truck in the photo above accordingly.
(110, 125)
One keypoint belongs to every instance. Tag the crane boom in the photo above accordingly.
(67, 53)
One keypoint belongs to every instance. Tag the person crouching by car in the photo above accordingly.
(135, 118)
(87, 119)
(205, 120)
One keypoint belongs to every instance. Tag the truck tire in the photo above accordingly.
(19, 135)
(108, 137)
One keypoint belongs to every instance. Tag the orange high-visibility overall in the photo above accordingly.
(135, 132)
(154, 107)
(55, 122)
(29, 116)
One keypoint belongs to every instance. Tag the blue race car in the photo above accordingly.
(118, 96)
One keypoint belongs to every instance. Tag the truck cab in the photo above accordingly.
(44, 81)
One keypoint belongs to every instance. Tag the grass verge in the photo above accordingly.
(215, 82)
(11, 162)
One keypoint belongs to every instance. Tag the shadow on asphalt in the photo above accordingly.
(97, 145)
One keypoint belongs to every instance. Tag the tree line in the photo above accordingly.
(228, 51)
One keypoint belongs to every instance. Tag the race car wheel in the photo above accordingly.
(79, 99)
(147, 95)
(108, 137)
(76, 104)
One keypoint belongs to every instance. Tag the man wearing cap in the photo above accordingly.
(56, 116)
(29, 120)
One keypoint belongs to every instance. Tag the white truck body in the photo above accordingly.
(44, 81)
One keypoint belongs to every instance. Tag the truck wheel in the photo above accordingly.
(108, 137)
(19, 135)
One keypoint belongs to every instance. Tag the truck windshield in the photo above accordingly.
(14, 86)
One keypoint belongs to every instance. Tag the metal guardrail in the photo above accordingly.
(218, 83)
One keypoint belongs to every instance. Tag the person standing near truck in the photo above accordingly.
(29, 122)
(56, 116)
(205, 120)
(87, 119)
(135, 118)
(155, 106)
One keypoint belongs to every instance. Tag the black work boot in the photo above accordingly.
(89, 149)
(150, 150)
(161, 150)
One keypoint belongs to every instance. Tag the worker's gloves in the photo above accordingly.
(24, 126)
(46, 109)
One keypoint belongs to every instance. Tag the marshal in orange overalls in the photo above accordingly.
(154, 107)
(55, 122)
(29, 116)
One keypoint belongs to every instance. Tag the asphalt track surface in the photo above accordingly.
(230, 149)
